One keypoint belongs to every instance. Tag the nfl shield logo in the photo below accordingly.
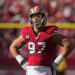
(27, 36)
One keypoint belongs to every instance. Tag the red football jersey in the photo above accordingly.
(41, 48)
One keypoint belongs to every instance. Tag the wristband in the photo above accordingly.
(59, 59)
(19, 59)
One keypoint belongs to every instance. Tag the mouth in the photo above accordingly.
(36, 22)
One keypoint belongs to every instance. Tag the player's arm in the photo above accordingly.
(14, 49)
(15, 45)
(67, 47)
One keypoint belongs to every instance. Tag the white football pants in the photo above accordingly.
(38, 70)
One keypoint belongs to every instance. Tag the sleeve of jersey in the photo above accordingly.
(23, 33)
(57, 31)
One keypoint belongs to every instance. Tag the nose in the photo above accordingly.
(36, 17)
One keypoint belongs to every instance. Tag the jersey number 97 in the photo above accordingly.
(32, 47)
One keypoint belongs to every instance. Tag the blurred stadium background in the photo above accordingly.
(14, 16)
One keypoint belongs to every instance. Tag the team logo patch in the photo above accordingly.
(27, 36)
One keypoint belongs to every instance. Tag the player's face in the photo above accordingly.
(36, 19)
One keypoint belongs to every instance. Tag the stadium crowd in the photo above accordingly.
(17, 10)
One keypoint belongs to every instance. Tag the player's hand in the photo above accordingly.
(24, 65)
(22, 62)
(57, 61)
(54, 65)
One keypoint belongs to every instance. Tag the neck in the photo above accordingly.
(38, 30)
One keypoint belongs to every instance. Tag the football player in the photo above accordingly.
(42, 42)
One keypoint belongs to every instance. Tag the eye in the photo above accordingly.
(39, 16)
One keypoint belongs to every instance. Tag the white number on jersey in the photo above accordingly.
(32, 47)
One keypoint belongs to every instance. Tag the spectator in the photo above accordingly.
(58, 10)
